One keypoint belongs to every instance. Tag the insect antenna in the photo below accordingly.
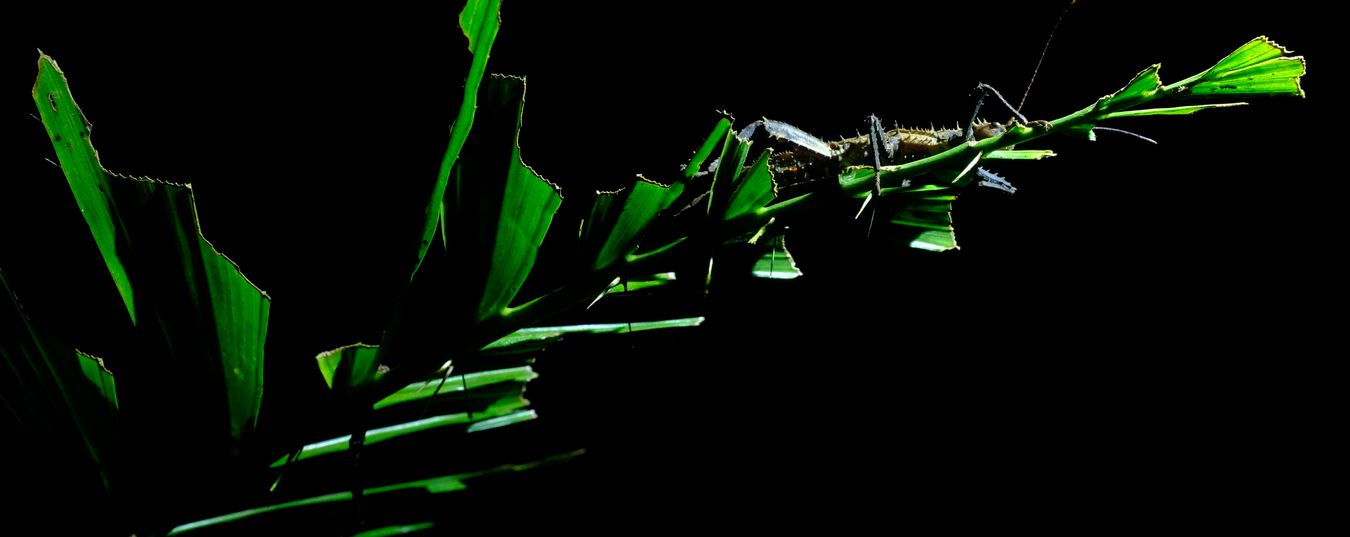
(1044, 50)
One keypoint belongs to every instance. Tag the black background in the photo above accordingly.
(1124, 337)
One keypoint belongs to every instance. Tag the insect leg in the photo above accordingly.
(785, 131)
(876, 135)
(749, 130)
(989, 90)
(974, 116)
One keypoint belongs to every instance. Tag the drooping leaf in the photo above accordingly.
(931, 219)
(922, 217)
(777, 263)
(197, 313)
(349, 367)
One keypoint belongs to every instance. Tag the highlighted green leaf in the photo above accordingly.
(496, 216)
(553, 333)
(382, 434)
(1142, 87)
(1259, 67)
(477, 19)
(405, 529)
(1169, 111)
(618, 219)
(480, 21)
(633, 285)
(924, 221)
(501, 223)
(776, 264)
(718, 136)
(435, 485)
(1020, 154)
(726, 180)
(351, 366)
(457, 384)
(752, 189)
(89, 182)
(197, 313)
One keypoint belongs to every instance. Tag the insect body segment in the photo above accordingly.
(812, 161)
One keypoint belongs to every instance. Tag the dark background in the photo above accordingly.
(1124, 337)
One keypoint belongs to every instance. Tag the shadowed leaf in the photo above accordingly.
(57, 395)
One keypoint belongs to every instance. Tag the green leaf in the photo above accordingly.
(476, 17)
(520, 342)
(501, 224)
(1259, 67)
(496, 215)
(501, 421)
(64, 400)
(396, 530)
(1170, 111)
(718, 135)
(382, 434)
(727, 178)
(925, 223)
(635, 284)
(196, 312)
(935, 241)
(776, 264)
(351, 366)
(89, 182)
(752, 190)
(1144, 86)
(419, 391)
(480, 21)
(618, 219)
(553, 333)
(1020, 154)
(435, 485)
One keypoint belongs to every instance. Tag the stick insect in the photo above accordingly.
(803, 159)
